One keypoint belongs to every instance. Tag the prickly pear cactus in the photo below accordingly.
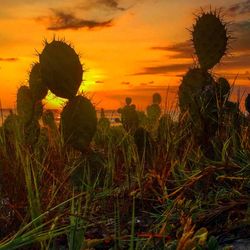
(154, 111)
(128, 100)
(247, 103)
(78, 122)
(61, 69)
(210, 39)
(129, 116)
(156, 98)
(38, 89)
(24, 104)
(195, 91)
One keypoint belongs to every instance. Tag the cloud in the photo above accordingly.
(241, 34)
(105, 5)
(62, 20)
(99, 81)
(239, 8)
(181, 50)
(112, 4)
(8, 59)
(125, 83)
(164, 69)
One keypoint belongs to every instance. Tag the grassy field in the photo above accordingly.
(160, 193)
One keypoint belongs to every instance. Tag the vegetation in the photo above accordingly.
(152, 182)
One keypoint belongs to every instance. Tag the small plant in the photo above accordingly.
(129, 116)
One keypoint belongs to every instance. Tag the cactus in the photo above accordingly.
(247, 103)
(61, 70)
(78, 122)
(24, 103)
(196, 85)
(154, 111)
(128, 100)
(38, 89)
(156, 98)
(31, 132)
(129, 116)
(210, 39)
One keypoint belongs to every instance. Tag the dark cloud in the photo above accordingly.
(241, 33)
(8, 59)
(182, 50)
(112, 4)
(147, 83)
(62, 20)
(99, 81)
(106, 5)
(239, 8)
(164, 69)
(125, 83)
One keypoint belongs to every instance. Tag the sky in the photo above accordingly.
(127, 47)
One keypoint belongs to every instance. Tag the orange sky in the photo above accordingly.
(127, 47)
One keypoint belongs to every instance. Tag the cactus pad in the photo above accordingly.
(61, 69)
(25, 104)
(210, 39)
(38, 89)
(78, 122)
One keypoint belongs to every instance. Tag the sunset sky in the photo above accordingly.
(128, 47)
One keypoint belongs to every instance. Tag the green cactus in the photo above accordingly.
(78, 122)
(129, 116)
(195, 91)
(12, 125)
(38, 89)
(25, 104)
(61, 69)
(210, 39)
(31, 132)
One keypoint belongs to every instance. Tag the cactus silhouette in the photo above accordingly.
(210, 39)
(38, 89)
(78, 122)
(25, 104)
(154, 111)
(199, 92)
(61, 69)
(129, 116)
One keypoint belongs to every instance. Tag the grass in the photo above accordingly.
(115, 197)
